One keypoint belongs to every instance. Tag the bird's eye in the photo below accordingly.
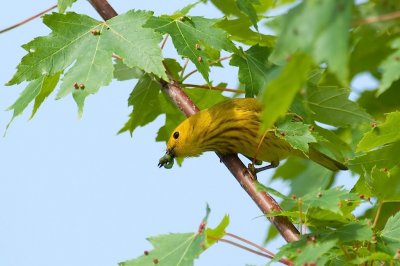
(176, 135)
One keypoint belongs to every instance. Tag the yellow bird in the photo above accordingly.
(233, 126)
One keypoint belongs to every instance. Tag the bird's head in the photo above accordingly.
(183, 142)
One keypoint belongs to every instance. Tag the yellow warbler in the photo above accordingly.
(232, 126)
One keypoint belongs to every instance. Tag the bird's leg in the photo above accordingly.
(256, 162)
(254, 170)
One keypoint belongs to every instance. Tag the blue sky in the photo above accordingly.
(72, 192)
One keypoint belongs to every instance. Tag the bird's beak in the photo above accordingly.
(167, 160)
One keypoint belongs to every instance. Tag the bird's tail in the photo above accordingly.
(325, 160)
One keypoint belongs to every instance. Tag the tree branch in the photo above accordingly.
(263, 200)
(28, 19)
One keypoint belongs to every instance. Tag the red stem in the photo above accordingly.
(263, 200)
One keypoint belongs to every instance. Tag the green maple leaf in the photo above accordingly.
(329, 199)
(384, 159)
(239, 30)
(214, 234)
(321, 29)
(88, 44)
(391, 233)
(330, 105)
(301, 171)
(297, 134)
(123, 72)
(64, 4)
(390, 67)
(172, 249)
(253, 68)
(145, 103)
(353, 231)
(381, 134)
(191, 35)
(180, 249)
(36, 90)
(280, 92)
(301, 252)
(246, 6)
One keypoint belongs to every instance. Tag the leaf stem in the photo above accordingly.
(28, 19)
(212, 63)
(184, 68)
(250, 243)
(374, 19)
(213, 88)
(263, 252)
(378, 213)
(164, 41)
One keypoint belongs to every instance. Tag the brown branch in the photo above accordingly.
(263, 200)
(216, 88)
(105, 10)
(369, 20)
(28, 19)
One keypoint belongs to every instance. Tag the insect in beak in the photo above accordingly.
(167, 160)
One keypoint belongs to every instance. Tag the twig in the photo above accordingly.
(216, 88)
(283, 261)
(184, 68)
(28, 19)
(262, 251)
(117, 57)
(245, 248)
(259, 146)
(164, 41)
(250, 243)
(369, 20)
(212, 63)
(378, 213)
(263, 200)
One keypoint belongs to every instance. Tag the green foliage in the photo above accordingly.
(280, 92)
(180, 249)
(317, 49)
(391, 234)
(297, 134)
(390, 67)
(239, 30)
(64, 4)
(324, 101)
(36, 90)
(191, 36)
(88, 44)
(319, 28)
(253, 68)
(246, 6)
(382, 134)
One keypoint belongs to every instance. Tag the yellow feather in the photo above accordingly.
(233, 126)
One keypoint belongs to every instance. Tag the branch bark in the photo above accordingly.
(263, 200)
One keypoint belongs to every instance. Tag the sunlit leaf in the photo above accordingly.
(381, 133)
